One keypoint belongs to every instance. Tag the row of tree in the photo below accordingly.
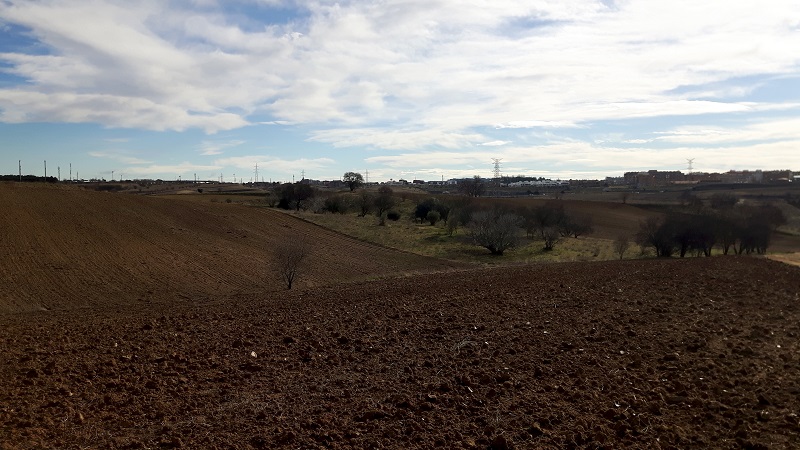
(743, 229)
(499, 230)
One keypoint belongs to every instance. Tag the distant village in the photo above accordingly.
(638, 180)
(630, 180)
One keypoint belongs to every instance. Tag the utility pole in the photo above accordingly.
(303, 174)
(45, 168)
(70, 172)
(112, 175)
(59, 173)
(20, 170)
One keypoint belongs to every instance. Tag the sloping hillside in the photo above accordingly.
(64, 248)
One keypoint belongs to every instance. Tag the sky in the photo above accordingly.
(413, 89)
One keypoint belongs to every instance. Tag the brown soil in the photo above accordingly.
(700, 352)
(132, 322)
(66, 248)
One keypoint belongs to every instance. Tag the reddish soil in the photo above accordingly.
(699, 352)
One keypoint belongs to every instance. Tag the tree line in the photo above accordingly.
(725, 224)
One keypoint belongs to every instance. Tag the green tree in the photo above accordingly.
(353, 180)
(433, 217)
(295, 196)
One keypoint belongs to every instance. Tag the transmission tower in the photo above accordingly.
(497, 168)
(689, 167)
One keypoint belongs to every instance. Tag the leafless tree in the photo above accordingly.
(496, 231)
(289, 258)
(384, 201)
(621, 244)
(551, 237)
(365, 202)
(472, 187)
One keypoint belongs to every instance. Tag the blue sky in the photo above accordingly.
(400, 88)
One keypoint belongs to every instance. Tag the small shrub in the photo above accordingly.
(394, 216)
(431, 204)
(335, 204)
(227, 200)
(452, 226)
(317, 205)
(433, 217)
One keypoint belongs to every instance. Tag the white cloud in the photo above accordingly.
(784, 129)
(119, 156)
(569, 159)
(18, 106)
(536, 124)
(182, 169)
(357, 62)
(268, 164)
(395, 139)
(210, 148)
(403, 75)
(495, 143)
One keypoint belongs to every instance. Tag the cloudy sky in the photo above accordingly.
(400, 88)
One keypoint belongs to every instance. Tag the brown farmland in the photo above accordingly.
(700, 353)
(66, 248)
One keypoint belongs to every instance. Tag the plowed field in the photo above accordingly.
(695, 353)
(186, 341)
(66, 248)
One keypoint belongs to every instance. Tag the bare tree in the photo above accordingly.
(621, 244)
(289, 257)
(551, 237)
(365, 203)
(384, 201)
(496, 231)
(472, 187)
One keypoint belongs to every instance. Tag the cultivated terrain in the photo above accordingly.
(133, 322)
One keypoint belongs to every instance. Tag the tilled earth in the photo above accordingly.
(686, 353)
